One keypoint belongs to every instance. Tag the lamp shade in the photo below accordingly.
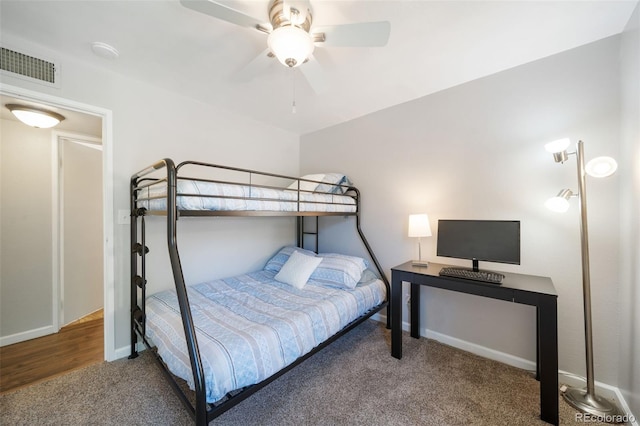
(601, 167)
(560, 203)
(557, 146)
(35, 117)
(419, 225)
(291, 45)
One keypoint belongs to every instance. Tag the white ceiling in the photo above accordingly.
(433, 45)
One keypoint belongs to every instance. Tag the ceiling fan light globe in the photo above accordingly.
(291, 45)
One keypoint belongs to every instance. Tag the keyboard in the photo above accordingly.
(469, 274)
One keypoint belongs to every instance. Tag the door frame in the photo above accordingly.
(57, 214)
(107, 197)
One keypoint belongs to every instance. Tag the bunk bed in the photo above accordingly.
(179, 325)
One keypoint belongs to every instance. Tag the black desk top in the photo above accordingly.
(511, 281)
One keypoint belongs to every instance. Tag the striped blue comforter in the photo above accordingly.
(251, 326)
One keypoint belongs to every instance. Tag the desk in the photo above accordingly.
(517, 288)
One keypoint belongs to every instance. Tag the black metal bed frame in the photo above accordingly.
(202, 411)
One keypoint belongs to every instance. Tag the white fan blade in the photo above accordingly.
(313, 72)
(364, 34)
(256, 67)
(223, 12)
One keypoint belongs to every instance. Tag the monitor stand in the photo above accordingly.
(475, 265)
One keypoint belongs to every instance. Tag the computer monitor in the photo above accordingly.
(486, 240)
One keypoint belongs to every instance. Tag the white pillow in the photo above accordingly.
(307, 186)
(297, 270)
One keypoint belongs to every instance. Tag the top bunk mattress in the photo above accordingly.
(251, 326)
(196, 195)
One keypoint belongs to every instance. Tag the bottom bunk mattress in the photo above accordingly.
(251, 326)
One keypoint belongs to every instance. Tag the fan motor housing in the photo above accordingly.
(281, 16)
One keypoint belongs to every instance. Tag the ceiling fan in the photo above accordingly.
(291, 37)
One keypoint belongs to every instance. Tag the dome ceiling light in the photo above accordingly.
(35, 117)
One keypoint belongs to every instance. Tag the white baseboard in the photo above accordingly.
(125, 351)
(480, 350)
(122, 352)
(26, 335)
(564, 377)
(474, 348)
(625, 407)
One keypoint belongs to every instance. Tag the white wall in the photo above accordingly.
(629, 323)
(150, 123)
(476, 151)
(25, 230)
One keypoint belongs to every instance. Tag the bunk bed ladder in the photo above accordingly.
(199, 410)
(302, 232)
(138, 251)
(138, 281)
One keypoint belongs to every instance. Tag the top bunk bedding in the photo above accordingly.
(251, 326)
(214, 189)
(195, 195)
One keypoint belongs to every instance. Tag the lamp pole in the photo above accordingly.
(586, 400)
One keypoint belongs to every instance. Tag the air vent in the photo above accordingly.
(27, 66)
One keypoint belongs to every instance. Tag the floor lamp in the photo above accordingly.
(584, 400)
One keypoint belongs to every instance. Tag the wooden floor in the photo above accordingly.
(77, 345)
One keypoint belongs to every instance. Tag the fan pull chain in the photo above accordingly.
(293, 79)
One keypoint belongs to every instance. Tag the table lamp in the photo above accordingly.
(419, 227)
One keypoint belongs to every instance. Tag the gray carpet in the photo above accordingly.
(354, 381)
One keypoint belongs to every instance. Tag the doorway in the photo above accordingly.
(79, 225)
(107, 238)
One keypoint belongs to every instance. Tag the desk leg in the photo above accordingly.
(415, 310)
(396, 317)
(548, 359)
(537, 344)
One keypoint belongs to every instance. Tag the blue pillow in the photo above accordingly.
(339, 270)
(276, 262)
(332, 183)
(335, 270)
